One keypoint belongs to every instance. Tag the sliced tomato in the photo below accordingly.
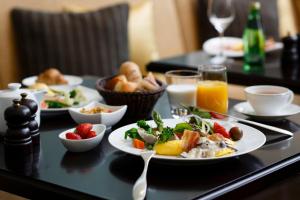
(139, 144)
(221, 130)
(190, 139)
(216, 115)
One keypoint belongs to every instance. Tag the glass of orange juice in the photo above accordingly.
(212, 89)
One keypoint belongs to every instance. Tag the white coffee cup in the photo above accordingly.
(268, 99)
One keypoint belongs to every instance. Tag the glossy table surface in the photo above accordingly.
(275, 72)
(107, 173)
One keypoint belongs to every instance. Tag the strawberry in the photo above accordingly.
(221, 130)
(73, 136)
(91, 134)
(83, 129)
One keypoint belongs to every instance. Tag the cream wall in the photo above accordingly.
(168, 35)
(175, 26)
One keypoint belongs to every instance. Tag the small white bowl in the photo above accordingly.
(109, 119)
(83, 144)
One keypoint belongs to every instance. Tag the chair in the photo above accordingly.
(90, 43)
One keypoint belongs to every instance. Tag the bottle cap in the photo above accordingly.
(255, 5)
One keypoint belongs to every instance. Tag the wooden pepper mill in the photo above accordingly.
(17, 140)
(33, 125)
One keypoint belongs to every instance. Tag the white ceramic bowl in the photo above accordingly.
(83, 144)
(109, 119)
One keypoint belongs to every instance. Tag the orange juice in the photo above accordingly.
(213, 95)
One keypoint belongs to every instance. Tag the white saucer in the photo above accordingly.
(246, 109)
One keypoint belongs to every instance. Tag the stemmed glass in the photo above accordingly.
(220, 14)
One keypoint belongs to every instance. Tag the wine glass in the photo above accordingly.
(220, 14)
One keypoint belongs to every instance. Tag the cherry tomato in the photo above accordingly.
(221, 130)
(216, 115)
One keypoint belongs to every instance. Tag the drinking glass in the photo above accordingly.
(220, 14)
(181, 90)
(212, 90)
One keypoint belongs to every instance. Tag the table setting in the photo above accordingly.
(65, 136)
(132, 136)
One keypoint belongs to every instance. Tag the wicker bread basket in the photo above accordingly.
(140, 104)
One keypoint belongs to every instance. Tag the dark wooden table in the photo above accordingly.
(107, 173)
(275, 73)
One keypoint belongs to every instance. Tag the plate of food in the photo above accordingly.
(61, 98)
(190, 139)
(52, 76)
(233, 46)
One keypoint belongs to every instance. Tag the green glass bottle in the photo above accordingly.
(254, 41)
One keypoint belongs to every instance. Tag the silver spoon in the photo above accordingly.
(140, 186)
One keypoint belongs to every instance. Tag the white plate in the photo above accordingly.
(246, 109)
(252, 139)
(72, 80)
(212, 46)
(90, 94)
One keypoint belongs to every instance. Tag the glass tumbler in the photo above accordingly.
(212, 90)
(181, 90)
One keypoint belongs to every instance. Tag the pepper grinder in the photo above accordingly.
(17, 140)
(33, 125)
(290, 57)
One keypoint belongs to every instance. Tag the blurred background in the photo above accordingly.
(156, 29)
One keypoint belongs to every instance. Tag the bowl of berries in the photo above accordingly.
(83, 137)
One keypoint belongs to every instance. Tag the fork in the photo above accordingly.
(140, 186)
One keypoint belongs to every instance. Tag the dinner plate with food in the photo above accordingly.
(58, 99)
(233, 46)
(52, 76)
(190, 139)
(61, 98)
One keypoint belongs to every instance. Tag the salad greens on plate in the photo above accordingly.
(63, 99)
(197, 137)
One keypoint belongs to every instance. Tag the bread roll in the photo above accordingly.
(125, 86)
(151, 79)
(112, 82)
(145, 85)
(148, 83)
(131, 71)
(51, 77)
(60, 80)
